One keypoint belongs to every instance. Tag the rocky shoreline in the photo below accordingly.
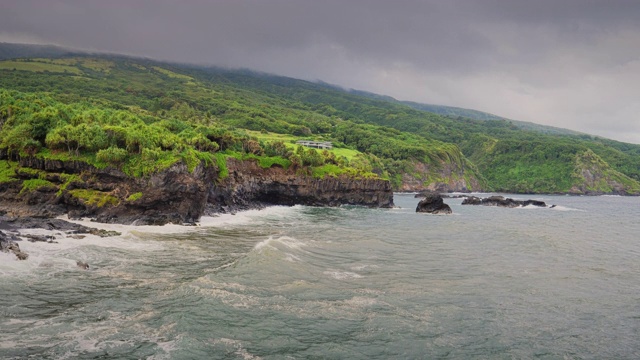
(13, 230)
(175, 195)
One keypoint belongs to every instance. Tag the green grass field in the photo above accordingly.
(289, 141)
(285, 138)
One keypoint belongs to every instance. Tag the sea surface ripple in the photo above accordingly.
(338, 283)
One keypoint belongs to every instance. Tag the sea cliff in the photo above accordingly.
(48, 188)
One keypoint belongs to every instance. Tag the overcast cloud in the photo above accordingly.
(568, 63)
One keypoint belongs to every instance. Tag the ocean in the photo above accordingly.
(338, 283)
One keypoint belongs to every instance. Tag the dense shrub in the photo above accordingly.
(112, 155)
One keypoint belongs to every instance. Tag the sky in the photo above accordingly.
(568, 63)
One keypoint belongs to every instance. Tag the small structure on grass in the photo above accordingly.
(315, 144)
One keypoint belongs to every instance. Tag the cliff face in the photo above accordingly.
(49, 188)
(174, 195)
(249, 185)
(446, 177)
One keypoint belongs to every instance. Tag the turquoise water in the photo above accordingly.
(339, 283)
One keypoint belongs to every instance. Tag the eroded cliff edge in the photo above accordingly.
(48, 188)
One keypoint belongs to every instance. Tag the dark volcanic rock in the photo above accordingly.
(433, 204)
(39, 238)
(534, 203)
(472, 200)
(424, 194)
(249, 186)
(177, 195)
(50, 224)
(501, 201)
(8, 244)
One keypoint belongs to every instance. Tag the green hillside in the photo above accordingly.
(511, 156)
(143, 115)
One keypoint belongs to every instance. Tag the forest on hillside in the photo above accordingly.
(142, 116)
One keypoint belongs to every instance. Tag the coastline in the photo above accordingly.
(176, 195)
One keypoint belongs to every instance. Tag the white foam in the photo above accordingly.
(532, 207)
(271, 242)
(126, 229)
(249, 216)
(55, 255)
(343, 275)
(239, 218)
(362, 267)
(6, 258)
(127, 240)
(292, 258)
(565, 208)
(65, 250)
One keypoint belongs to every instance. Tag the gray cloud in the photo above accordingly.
(570, 63)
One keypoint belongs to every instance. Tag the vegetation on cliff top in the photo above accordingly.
(142, 116)
(139, 143)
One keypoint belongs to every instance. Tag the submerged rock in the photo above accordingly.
(433, 204)
(501, 201)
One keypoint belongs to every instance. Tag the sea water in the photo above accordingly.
(338, 283)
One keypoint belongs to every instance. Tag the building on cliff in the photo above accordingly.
(315, 144)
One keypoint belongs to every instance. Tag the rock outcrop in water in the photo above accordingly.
(433, 204)
(501, 201)
(8, 245)
(175, 195)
